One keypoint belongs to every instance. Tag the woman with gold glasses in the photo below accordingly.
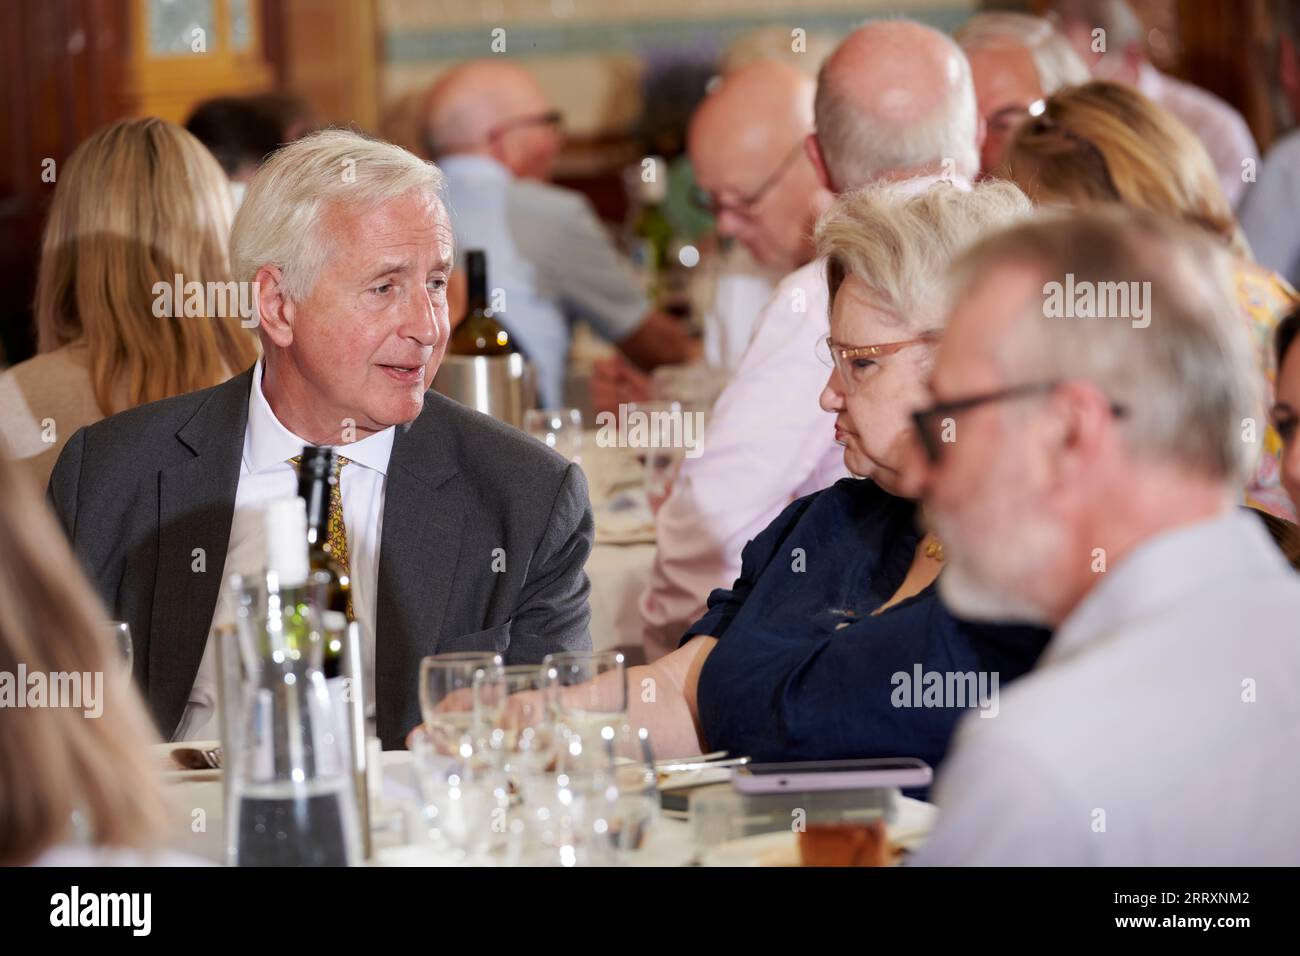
(832, 643)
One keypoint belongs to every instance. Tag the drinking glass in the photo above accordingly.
(464, 795)
(523, 734)
(558, 428)
(585, 689)
(460, 696)
(599, 805)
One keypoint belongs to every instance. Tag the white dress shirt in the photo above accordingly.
(1219, 127)
(1161, 727)
(768, 442)
(265, 473)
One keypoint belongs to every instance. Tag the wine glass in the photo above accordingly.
(460, 694)
(585, 689)
(558, 428)
(524, 732)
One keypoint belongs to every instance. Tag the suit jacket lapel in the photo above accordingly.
(418, 551)
(196, 504)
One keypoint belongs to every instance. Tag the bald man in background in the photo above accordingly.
(495, 137)
(893, 104)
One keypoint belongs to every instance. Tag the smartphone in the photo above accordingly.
(832, 775)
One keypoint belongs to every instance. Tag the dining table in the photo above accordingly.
(400, 838)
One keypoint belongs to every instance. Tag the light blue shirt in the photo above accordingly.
(1161, 727)
(549, 256)
(1270, 210)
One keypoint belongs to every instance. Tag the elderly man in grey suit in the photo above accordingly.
(462, 533)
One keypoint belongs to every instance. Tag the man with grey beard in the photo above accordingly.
(1083, 473)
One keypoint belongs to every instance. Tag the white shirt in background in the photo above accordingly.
(1160, 728)
(265, 473)
(1219, 127)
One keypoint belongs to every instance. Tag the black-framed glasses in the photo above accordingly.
(552, 118)
(710, 204)
(930, 422)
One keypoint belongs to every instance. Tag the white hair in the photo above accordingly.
(278, 223)
(860, 147)
(1054, 59)
(1121, 26)
(901, 244)
(1185, 374)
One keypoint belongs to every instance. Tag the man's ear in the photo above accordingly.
(1084, 423)
(274, 307)
(814, 151)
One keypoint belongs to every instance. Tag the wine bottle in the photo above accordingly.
(317, 475)
(481, 333)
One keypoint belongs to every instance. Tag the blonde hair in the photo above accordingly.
(138, 203)
(278, 221)
(1054, 59)
(1105, 143)
(900, 245)
(55, 761)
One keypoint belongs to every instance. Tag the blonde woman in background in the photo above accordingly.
(137, 203)
(1103, 143)
(75, 790)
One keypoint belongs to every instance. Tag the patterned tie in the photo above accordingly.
(336, 534)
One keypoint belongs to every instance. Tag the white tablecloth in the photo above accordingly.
(199, 829)
(618, 572)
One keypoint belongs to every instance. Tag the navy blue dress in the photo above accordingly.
(803, 671)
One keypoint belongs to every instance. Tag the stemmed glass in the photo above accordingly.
(585, 689)
(558, 428)
(459, 696)
(465, 794)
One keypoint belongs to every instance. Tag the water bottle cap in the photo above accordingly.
(285, 520)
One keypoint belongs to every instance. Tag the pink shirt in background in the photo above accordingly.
(766, 442)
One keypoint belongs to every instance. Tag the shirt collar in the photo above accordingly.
(268, 444)
(1171, 568)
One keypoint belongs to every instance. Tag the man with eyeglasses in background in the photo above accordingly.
(1016, 59)
(1083, 475)
(894, 104)
(495, 136)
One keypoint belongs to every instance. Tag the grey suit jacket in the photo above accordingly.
(140, 493)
